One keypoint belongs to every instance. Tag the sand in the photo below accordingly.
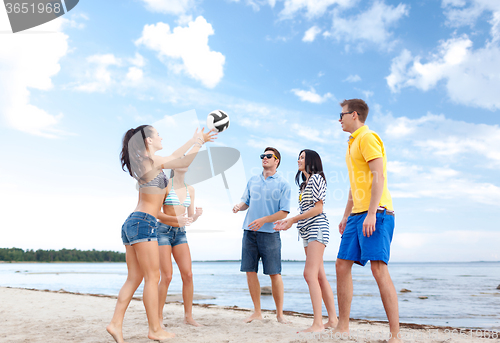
(56, 317)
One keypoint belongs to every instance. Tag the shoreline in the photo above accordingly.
(177, 299)
(38, 316)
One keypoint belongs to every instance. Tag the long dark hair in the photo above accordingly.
(312, 166)
(135, 150)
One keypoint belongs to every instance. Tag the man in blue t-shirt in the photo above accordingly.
(267, 198)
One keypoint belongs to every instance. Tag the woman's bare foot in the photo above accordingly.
(314, 328)
(160, 335)
(282, 320)
(395, 340)
(115, 332)
(341, 333)
(331, 323)
(162, 325)
(254, 316)
(191, 321)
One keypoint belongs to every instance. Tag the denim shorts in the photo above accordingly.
(319, 238)
(360, 249)
(261, 244)
(171, 235)
(139, 227)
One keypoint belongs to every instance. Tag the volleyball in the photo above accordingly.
(218, 120)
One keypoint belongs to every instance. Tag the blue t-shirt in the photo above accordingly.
(264, 198)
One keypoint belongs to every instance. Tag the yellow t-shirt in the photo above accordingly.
(365, 146)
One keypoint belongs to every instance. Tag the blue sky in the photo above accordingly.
(429, 70)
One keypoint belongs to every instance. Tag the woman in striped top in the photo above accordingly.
(313, 228)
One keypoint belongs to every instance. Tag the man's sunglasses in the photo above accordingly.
(344, 113)
(268, 156)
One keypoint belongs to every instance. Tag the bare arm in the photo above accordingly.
(193, 212)
(257, 223)
(169, 220)
(286, 224)
(347, 212)
(377, 169)
(177, 159)
(240, 207)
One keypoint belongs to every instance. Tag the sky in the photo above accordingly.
(429, 70)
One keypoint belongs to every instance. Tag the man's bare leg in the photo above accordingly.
(344, 293)
(254, 288)
(389, 297)
(278, 295)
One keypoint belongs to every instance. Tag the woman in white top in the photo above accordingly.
(313, 228)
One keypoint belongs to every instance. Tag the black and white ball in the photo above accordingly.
(218, 120)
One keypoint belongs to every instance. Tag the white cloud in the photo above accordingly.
(353, 78)
(176, 7)
(311, 96)
(189, 44)
(256, 4)
(448, 139)
(313, 8)
(441, 183)
(29, 60)
(138, 60)
(184, 20)
(134, 74)
(466, 13)
(308, 133)
(371, 26)
(287, 146)
(99, 76)
(311, 34)
(452, 53)
(471, 76)
(404, 127)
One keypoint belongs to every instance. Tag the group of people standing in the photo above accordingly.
(366, 227)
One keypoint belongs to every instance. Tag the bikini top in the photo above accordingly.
(173, 200)
(159, 181)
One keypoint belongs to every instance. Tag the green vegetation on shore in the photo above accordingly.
(63, 255)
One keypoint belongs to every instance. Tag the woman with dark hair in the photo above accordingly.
(139, 230)
(313, 228)
(172, 240)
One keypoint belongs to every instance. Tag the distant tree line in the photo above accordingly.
(63, 255)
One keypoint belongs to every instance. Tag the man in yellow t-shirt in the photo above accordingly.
(368, 222)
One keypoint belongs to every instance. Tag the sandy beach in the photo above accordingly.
(46, 316)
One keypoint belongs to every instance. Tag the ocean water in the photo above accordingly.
(460, 295)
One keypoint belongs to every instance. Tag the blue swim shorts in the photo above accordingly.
(139, 227)
(171, 235)
(360, 249)
(256, 245)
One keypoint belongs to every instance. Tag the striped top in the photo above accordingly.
(159, 181)
(173, 200)
(314, 191)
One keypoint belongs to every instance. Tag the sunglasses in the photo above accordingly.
(268, 156)
(344, 113)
